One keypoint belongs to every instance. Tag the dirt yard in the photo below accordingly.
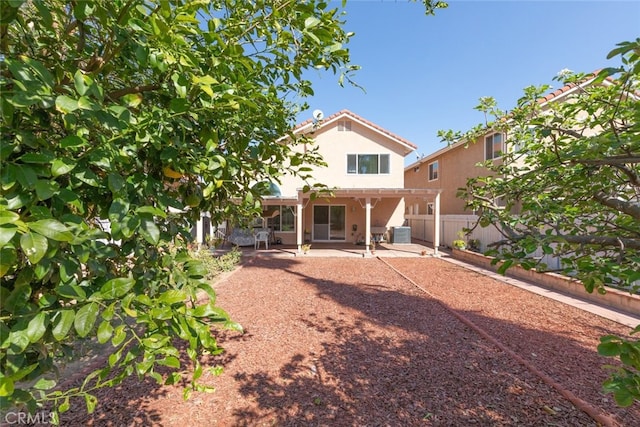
(350, 342)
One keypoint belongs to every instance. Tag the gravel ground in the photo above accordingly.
(350, 342)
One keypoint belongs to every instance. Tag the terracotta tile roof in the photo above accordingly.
(569, 86)
(544, 99)
(557, 92)
(362, 120)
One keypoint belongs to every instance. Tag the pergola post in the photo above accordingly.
(436, 225)
(299, 230)
(367, 227)
(200, 231)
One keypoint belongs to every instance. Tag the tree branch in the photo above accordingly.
(135, 89)
(568, 132)
(630, 209)
(610, 161)
(81, 38)
(618, 162)
(602, 241)
(633, 177)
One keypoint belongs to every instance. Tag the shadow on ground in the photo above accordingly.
(385, 355)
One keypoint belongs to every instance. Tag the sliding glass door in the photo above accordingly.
(329, 223)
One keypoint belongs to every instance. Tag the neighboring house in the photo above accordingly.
(365, 171)
(449, 168)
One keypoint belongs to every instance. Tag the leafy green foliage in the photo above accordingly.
(568, 185)
(624, 382)
(214, 265)
(120, 122)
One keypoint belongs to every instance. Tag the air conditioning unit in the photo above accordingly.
(401, 235)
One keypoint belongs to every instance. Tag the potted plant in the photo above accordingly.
(474, 245)
(460, 243)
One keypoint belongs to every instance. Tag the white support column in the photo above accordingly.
(436, 225)
(199, 234)
(367, 227)
(210, 227)
(299, 230)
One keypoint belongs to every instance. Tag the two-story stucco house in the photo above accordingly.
(365, 171)
(449, 168)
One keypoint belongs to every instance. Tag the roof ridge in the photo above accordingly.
(346, 112)
(568, 86)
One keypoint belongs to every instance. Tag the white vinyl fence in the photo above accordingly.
(451, 225)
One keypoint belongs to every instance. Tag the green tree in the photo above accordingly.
(568, 185)
(122, 120)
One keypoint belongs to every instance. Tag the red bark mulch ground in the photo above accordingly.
(350, 342)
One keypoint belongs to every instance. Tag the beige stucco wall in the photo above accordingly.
(458, 163)
(334, 146)
(455, 165)
(388, 212)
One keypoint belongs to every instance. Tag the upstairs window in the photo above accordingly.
(433, 171)
(344, 126)
(493, 146)
(367, 164)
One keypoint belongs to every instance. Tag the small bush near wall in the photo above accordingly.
(217, 264)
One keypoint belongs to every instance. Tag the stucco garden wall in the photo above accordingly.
(613, 298)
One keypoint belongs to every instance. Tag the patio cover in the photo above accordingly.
(365, 195)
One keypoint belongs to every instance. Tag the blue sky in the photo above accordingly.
(426, 73)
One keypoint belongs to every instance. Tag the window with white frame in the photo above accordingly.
(344, 126)
(493, 146)
(430, 209)
(367, 164)
(433, 171)
(280, 218)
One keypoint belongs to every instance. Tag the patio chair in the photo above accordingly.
(262, 236)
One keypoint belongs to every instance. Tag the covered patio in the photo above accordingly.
(368, 200)
(416, 248)
(353, 220)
